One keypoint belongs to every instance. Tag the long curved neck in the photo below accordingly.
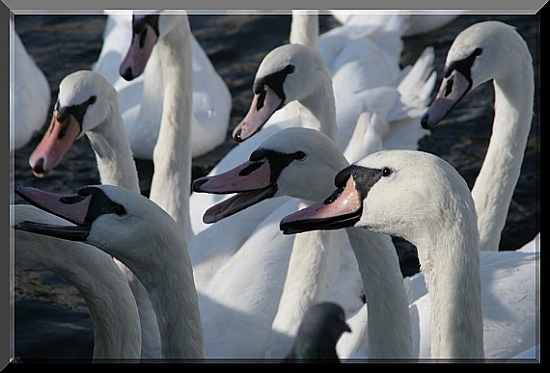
(497, 179)
(115, 162)
(389, 327)
(449, 256)
(171, 183)
(305, 285)
(113, 310)
(304, 28)
(104, 287)
(169, 281)
(318, 111)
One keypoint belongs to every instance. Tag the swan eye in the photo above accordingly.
(120, 210)
(92, 100)
(299, 155)
(386, 172)
(289, 69)
(477, 52)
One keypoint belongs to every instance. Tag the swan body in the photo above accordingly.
(141, 99)
(418, 181)
(112, 307)
(146, 236)
(485, 51)
(30, 94)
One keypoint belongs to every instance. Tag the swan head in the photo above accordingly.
(293, 162)
(147, 30)
(85, 100)
(397, 192)
(116, 220)
(287, 73)
(480, 53)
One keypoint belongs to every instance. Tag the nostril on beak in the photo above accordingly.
(38, 169)
(198, 183)
(237, 136)
(127, 74)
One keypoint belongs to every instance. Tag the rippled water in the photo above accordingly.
(51, 319)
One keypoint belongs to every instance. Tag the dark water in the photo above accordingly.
(51, 319)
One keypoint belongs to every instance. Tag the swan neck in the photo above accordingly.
(451, 264)
(318, 111)
(389, 330)
(304, 28)
(171, 183)
(171, 287)
(497, 179)
(304, 285)
(115, 161)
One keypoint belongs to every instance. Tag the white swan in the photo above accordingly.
(418, 196)
(285, 70)
(31, 96)
(360, 60)
(87, 105)
(170, 38)
(297, 162)
(414, 24)
(112, 307)
(147, 240)
(141, 99)
(485, 51)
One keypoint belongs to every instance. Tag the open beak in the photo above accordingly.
(341, 210)
(264, 104)
(71, 207)
(452, 89)
(138, 54)
(56, 141)
(251, 181)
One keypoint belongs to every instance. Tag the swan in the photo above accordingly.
(87, 105)
(142, 235)
(170, 37)
(491, 50)
(413, 24)
(112, 307)
(360, 60)
(30, 94)
(295, 162)
(300, 64)
(418, 196)
(319, 331)
(141, 98)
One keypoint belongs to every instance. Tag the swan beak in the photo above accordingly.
(452, 89)
(251, 175)
(251, 181)
(342, 209)
(264, 104)
(56, 141)
(138, 54)
(71, 207)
